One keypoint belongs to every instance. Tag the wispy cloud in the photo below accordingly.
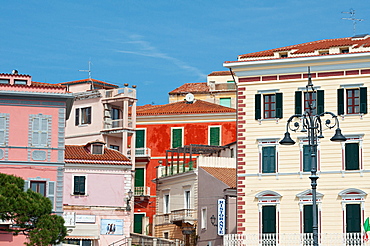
(144, 48)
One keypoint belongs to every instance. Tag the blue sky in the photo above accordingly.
(159, 45)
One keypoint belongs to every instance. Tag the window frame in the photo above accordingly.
(269, 142)
(4, 130)
(172, 137)
(352, 196)
(38, 182)
(226, 101)
(203, 218)
(40, 131)
(73, 185)
(187, 199)
(97, 149)
(260, 105)
(305, 198)
(83, 116)
(351, 139)
(268, 198)
(300, 100)
(210, 135)
(342, 100)
(166, 203)
(143, 140)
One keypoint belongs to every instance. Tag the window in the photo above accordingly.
(306, 158)
(214, 135)
(83, 116)
(166, 203)
(203, 218)
(226, 102)
(269, 219)
(115, 112)
(3, 129)
(116, 147)
(307, 218)
(139, 181)
(40, 129)
(166, 235)
(4, 81)
(79, 185)
(187, 199)
(316, 99)
(344, 50)
(138, 223)
(140, 138)
(353, 218)
(269, 159)
(272, 106)
(80, 242)
(352, 100)
(97, 149)
(352, 157)
(20, 82)
(324, 52)
(177, 137)
(38, 186)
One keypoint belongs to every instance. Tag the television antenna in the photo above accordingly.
(352, 12)
(89, 70)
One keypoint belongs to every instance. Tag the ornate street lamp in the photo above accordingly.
(128, 200)
(310, 122)
(213, 220)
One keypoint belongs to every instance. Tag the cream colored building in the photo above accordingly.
(274, 189)
(219, 89)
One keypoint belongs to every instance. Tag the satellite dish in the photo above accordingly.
(189, 98)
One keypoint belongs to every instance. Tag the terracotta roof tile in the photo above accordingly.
(220, 73)
(191, 88)
(310, 47)
(183, 107)
(226, 175)
(80, 154)
(88, 80)
(40, 84)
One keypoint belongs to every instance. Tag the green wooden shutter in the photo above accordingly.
(138, 223)
(279, 105)
(257, 105)
(176, 138)
(140, 138)
(139, 177)
(353, 218)
(79, 185)
(306, 158)
(320, 102)
(307, 219)
(363, 100)
(77, 117)
(298, 102)
(268, 159)
(352, 156)
(269, 219)
(340, 101)
(214, 135)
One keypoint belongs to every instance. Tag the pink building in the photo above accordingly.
(97, 184)
(32, 120)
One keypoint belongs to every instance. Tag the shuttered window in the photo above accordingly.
(140, 139)
(79, 185)
(269, 219)
(176, 137)
(214, 136)
(83, 116)
(40, 131)
(316, 99)
(272, 106)
(352, 101)
(352, 157)
(139, 181)
(353, 218)
(306, 156)
(2, 131)
(307, 218)
(268, 159)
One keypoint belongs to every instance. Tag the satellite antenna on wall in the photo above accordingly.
(352, 12)
(189, 98)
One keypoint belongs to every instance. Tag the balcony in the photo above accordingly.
(222, 87)
(140, 152)
(286, 239)
(119, 93)
(112, 125)
(142, 191)
(177, 217)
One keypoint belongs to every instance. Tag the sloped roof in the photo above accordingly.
(191, 88)
(183, 107)
(79, 154)
(220, 73)
(226, 175)
(40, 84)
(308, 49)
(99, 82)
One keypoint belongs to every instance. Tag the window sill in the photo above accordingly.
(83, 125)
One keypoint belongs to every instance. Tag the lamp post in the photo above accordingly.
(128, 200)
(310, 122)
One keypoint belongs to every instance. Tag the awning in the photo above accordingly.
(82, 237)
(84, 231)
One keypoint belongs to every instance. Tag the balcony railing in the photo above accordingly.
(304, 239)
(223, 87)
(120, 92)
(140, 152)
(142, 191)
(110, 124)
(183, 215)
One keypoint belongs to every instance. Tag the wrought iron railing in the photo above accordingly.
(286, 239)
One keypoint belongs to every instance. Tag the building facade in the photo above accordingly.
(220, 89)
(97, 187)
(32, 119)
(164, 127)
(274, 192)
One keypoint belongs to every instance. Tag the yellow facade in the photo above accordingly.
(330, 73)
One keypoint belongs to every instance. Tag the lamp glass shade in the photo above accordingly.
(287, 140)
(338, 137)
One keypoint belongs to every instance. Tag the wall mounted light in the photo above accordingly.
(213, 220)
(128, 199)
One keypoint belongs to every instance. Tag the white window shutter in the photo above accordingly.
(26, 185)
(51, 192)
